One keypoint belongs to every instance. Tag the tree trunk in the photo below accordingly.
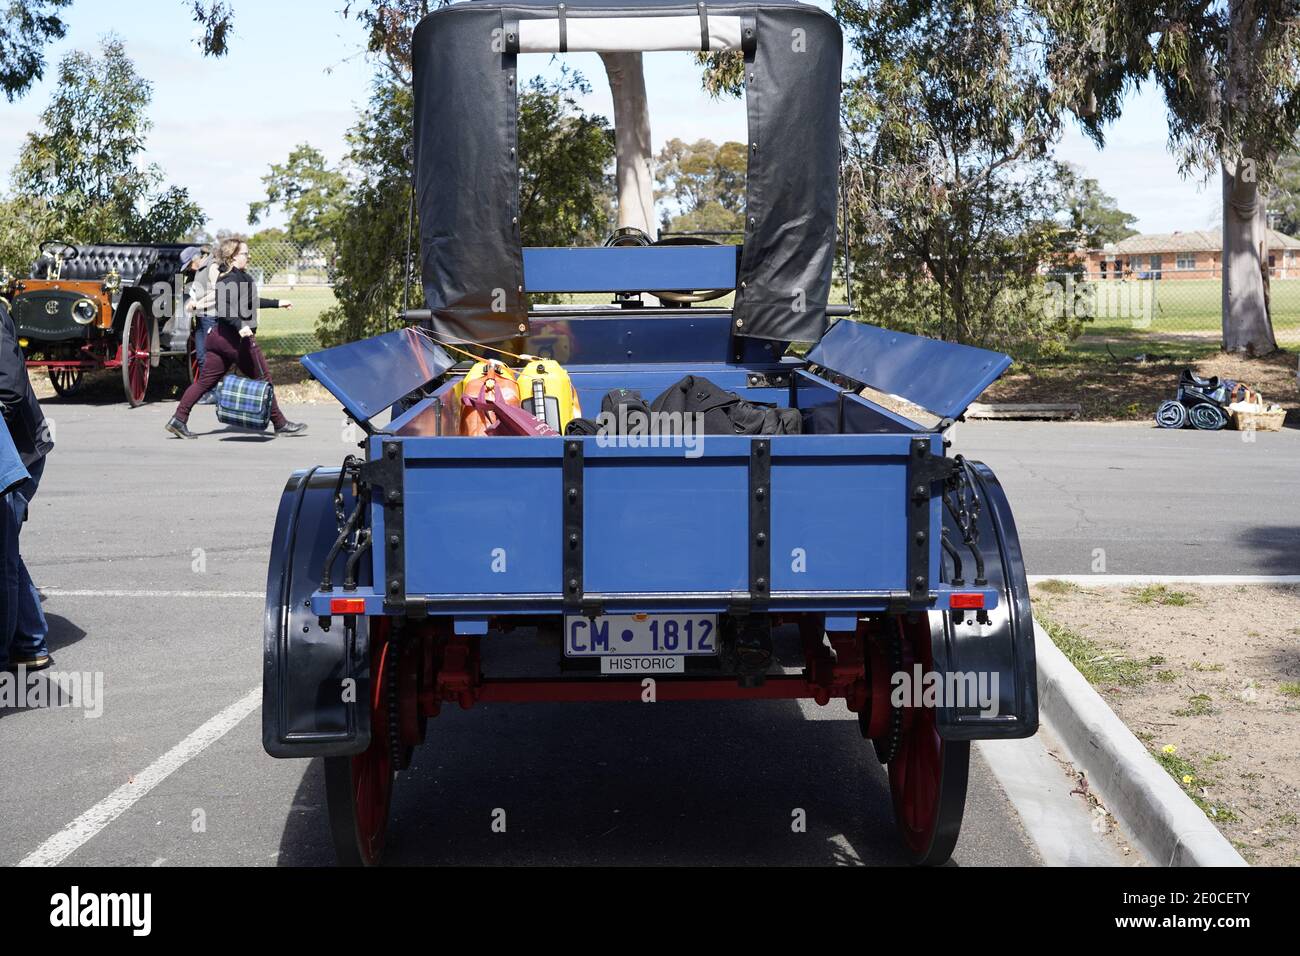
(632, 148)
(1247, 326)
(1246, 323)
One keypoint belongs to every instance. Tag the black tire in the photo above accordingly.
(927, 773)
(67, 381)
(933, 843)
(359, 788)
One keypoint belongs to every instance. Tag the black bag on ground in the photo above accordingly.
(726, 413)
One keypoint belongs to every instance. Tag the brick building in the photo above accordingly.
(1184, 255)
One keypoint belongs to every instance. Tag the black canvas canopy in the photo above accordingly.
(466, 147)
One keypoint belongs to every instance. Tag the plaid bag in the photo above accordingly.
(244, 402)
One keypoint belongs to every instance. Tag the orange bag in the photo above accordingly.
(493, 382)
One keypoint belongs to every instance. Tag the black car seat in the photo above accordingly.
(134, 263)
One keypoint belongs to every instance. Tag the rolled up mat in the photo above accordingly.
(1171, 414)
(1207, 417)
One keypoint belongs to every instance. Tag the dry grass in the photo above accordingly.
(1210, 682)
(1131, 391)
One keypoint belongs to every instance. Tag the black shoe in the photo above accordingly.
(209, 399)
(291, 428)
(179, 429)
(31, 665)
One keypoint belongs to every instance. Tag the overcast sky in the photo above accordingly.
(297, 73)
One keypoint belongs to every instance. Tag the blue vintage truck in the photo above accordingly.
(659, 570)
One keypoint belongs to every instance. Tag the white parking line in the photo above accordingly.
(1125, 580)
(66, 842)
(78, 592)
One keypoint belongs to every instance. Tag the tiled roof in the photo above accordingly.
(1196, 240)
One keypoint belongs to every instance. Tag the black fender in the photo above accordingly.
(1005, 646)
(307, 710)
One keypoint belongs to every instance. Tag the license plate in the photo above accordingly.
(641, 635)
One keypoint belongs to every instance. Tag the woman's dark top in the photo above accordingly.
(237, 300)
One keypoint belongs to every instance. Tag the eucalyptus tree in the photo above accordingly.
(954, 200)
(83, 165)
(26, 28)
(1229, 71)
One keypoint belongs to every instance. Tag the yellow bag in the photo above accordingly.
(489, 378)
(546, 391)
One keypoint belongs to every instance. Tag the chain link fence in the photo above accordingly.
(1166, 308)
(1154, 310)
(301, 276)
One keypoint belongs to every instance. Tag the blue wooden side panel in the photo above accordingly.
(838, 525)
(943, 377)
(630, 268)
(483, 526)
(666, 523)
(483, 516)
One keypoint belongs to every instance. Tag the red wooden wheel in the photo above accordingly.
(191, 359)
(927, 775)
(66, 381)
(359, 789)
(135, 354)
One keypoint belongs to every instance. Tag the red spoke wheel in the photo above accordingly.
(191, 360)
(927, 775)
(66, 381)
(359, 789)
(135, 354)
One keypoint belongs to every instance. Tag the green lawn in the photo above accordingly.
(292, 331)
(1182, 305)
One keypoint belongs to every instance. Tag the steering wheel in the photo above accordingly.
(632, 236)
(58, 249)
(701, 295)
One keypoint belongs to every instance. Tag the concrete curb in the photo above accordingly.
(1167, 826)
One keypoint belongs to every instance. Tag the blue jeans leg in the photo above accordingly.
(206, 324)
(31, 631)
(23, 629)
(10, 576)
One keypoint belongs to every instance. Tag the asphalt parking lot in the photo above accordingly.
(151, 553)
(1146, 500)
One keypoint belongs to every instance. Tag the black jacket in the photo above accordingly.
(726, 413)
(237, 300)
(22, 412)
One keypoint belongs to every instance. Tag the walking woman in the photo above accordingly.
(230, 343)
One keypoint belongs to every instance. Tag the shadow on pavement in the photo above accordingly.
(626, 784)
(62, 633)
(1278, 547)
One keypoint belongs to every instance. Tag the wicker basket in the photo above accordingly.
(1269, 420)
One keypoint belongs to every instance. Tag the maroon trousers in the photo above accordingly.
(226, 349)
